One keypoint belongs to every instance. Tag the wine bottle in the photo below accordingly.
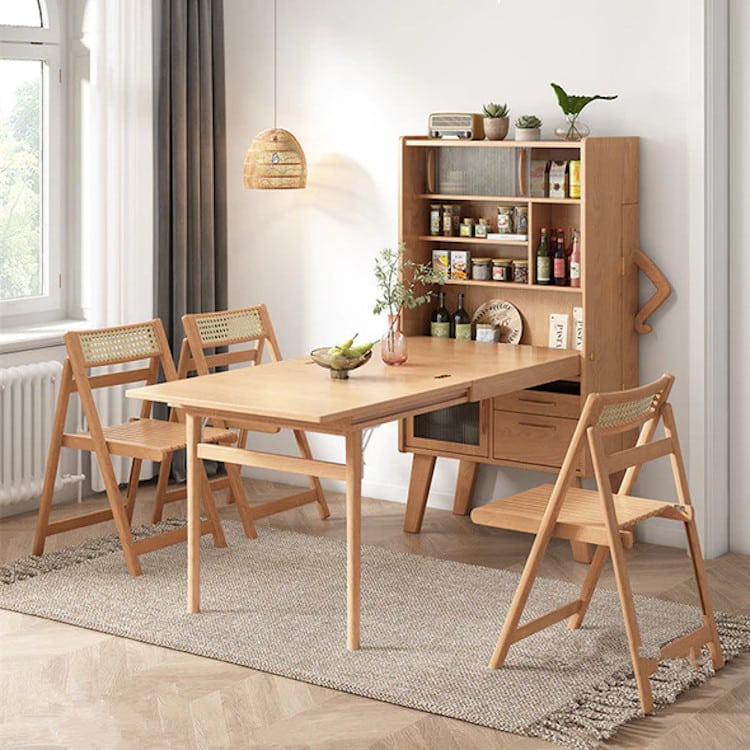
(558, 262)
(575, 261)
(440, 323)
(461, 320)
(543, 265)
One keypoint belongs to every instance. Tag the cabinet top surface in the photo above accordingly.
(298, 391)
(425, 141)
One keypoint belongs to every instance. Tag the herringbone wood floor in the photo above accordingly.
(64, 687)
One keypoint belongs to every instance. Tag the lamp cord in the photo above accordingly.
(274, 64)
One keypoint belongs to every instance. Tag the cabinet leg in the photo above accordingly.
(467, 475)
(419, 487)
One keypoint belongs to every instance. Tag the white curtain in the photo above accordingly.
(116, 171)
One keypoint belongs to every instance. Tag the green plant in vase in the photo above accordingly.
(571, 105)
(402, 283)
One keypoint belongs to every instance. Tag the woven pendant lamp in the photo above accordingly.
(275, 159)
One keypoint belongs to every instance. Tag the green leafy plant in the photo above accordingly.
(528, 121)
(571, 105)
(401, 282)
(495, 110)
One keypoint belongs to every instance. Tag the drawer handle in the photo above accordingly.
(536, 401)
(538, 426)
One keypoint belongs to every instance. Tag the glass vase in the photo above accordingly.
(393, 342)
(573, 130)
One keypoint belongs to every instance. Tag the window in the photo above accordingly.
(32, 235)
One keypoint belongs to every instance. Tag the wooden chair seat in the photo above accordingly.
(605, 518)
(147, 439)
(582, 517)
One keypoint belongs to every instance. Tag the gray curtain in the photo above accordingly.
(191, 202)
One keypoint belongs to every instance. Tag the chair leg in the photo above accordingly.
(217, 531)
(641, 666)
(132, 491)
(48, 491)
(714, 645)
(694, 545)
(235, 482)
(305, 452)
(513, 617)
(241, 443)
(121, 519)
(53, 460)
(161, 489)
(589, 585)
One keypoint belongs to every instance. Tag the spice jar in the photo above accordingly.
(467, 228)
(505, 219)
(521, 271)
(480, 269)
(521, 219)
(436, 219)
(481, 229)
(502, 270)
(451, 219)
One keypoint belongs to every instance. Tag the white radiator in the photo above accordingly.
(28, 397)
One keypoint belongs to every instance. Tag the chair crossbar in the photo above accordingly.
(110, 379)
(231, 358)
(639, 455)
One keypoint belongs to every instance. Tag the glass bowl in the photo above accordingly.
(338, 366)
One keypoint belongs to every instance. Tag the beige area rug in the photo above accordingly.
(277, 604)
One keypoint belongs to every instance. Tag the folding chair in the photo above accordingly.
(605, 519)
(221, 330)
(142, 439)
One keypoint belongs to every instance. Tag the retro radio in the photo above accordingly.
(456, 125)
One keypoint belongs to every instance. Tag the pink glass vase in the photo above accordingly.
(393, 342)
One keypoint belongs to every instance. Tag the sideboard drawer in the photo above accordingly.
(547, 403)
(531, 438)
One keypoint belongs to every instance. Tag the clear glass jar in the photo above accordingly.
(521, 271)
(481, 269)
(502, 269)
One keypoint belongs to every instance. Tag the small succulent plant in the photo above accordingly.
(495, 110)
(528, 121)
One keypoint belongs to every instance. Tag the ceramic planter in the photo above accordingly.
(496, 128)
(528, 134)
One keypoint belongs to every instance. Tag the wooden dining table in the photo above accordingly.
(297, 393)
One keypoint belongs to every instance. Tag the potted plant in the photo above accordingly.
(528, 128)
(495, 121)
(571, 105)
(401, 284)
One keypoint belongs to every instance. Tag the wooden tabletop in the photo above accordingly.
(299, 391)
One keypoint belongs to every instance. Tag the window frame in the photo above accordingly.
(45, 45)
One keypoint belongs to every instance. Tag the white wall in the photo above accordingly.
(739, 228)
(354, 76)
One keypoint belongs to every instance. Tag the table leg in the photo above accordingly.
(193, 431)
(353, 536)
(419, 487)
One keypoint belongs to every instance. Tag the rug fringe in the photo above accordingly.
(598, 714)
(34, 565)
